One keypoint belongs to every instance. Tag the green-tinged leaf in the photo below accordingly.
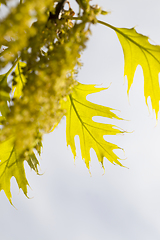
(11, 165)
(138, 51)
(19, 80)
(33, 162)
(79, 117)
(4, 94)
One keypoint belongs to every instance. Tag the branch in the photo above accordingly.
(58, 10)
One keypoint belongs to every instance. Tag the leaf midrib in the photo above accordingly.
(71, 99)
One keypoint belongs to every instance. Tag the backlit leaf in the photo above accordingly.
(12, 165)
(79, 117)
(138, 51)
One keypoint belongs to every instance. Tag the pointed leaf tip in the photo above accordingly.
(79, 122)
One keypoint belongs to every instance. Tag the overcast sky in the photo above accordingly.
(122, 204)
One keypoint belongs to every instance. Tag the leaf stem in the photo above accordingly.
(143, 48)
(108, 25)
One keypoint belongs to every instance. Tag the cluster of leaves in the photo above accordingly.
(43, 43)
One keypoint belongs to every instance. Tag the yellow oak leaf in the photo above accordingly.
(11, 165)
(138, 51)
(79, 118)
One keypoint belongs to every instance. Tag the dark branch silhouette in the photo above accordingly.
(58, 10)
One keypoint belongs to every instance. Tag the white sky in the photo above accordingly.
(122, 204)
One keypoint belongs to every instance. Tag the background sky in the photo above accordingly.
(122, 204)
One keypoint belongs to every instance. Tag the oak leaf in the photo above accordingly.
(12, 165)
(79, 118)
(138, 51)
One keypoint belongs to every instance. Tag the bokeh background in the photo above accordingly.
(66, 202)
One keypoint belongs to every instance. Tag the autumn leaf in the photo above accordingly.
(138, 51)
(19, 80)
(79, 118)
(12, 165)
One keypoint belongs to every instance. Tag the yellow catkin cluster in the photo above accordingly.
(16, 26)
(51, 51)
